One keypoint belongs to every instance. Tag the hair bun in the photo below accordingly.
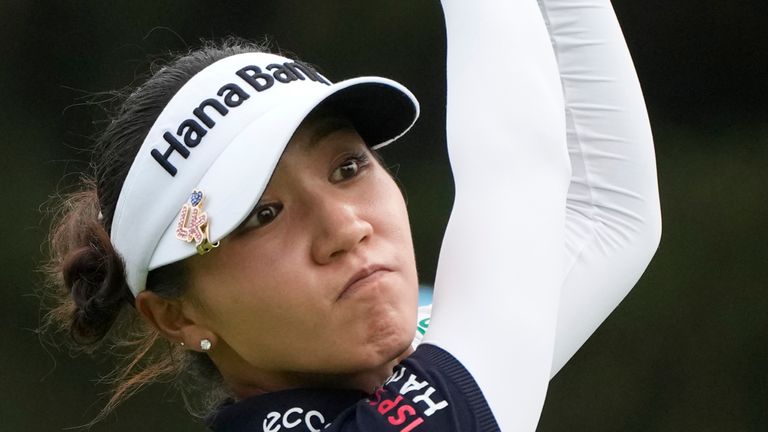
(92, 272)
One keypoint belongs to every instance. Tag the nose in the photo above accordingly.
(339, 228)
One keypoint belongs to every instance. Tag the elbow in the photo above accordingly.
(631, 230)
(642, 221)
(648, 231)
(653, 231)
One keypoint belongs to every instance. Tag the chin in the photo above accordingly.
(388, 327)
(388, 337)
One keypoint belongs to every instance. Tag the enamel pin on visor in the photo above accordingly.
(192, 224)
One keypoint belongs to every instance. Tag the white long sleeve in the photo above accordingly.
(501, 262)
(613, 216)
(613, 221)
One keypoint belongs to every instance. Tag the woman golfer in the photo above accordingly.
(238, 210)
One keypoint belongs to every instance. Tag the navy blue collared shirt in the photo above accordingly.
(428, 391)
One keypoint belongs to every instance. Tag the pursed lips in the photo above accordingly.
(361, 278)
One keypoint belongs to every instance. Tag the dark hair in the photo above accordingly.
(91, 299)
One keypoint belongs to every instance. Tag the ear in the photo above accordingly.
(172, 318)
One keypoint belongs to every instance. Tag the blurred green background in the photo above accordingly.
(685, 351)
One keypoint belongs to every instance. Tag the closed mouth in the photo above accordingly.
(362, 278)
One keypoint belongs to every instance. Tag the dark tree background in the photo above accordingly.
(685, 351)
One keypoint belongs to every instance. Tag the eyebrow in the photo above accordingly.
(324, 127)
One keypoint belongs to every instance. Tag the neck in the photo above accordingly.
(262, 382)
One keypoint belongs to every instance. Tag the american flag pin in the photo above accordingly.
(192, 224)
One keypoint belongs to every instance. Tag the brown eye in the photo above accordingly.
(349, 168)
(263, 215)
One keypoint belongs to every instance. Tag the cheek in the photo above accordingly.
(391, 216)
(260, 305)
(248, 293)
(389, 209)
(396, 227)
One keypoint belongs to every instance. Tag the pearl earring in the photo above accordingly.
(205, 344)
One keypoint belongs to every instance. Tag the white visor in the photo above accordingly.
(222, 134)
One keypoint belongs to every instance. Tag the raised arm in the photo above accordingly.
(613, 220)
(501, 262)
